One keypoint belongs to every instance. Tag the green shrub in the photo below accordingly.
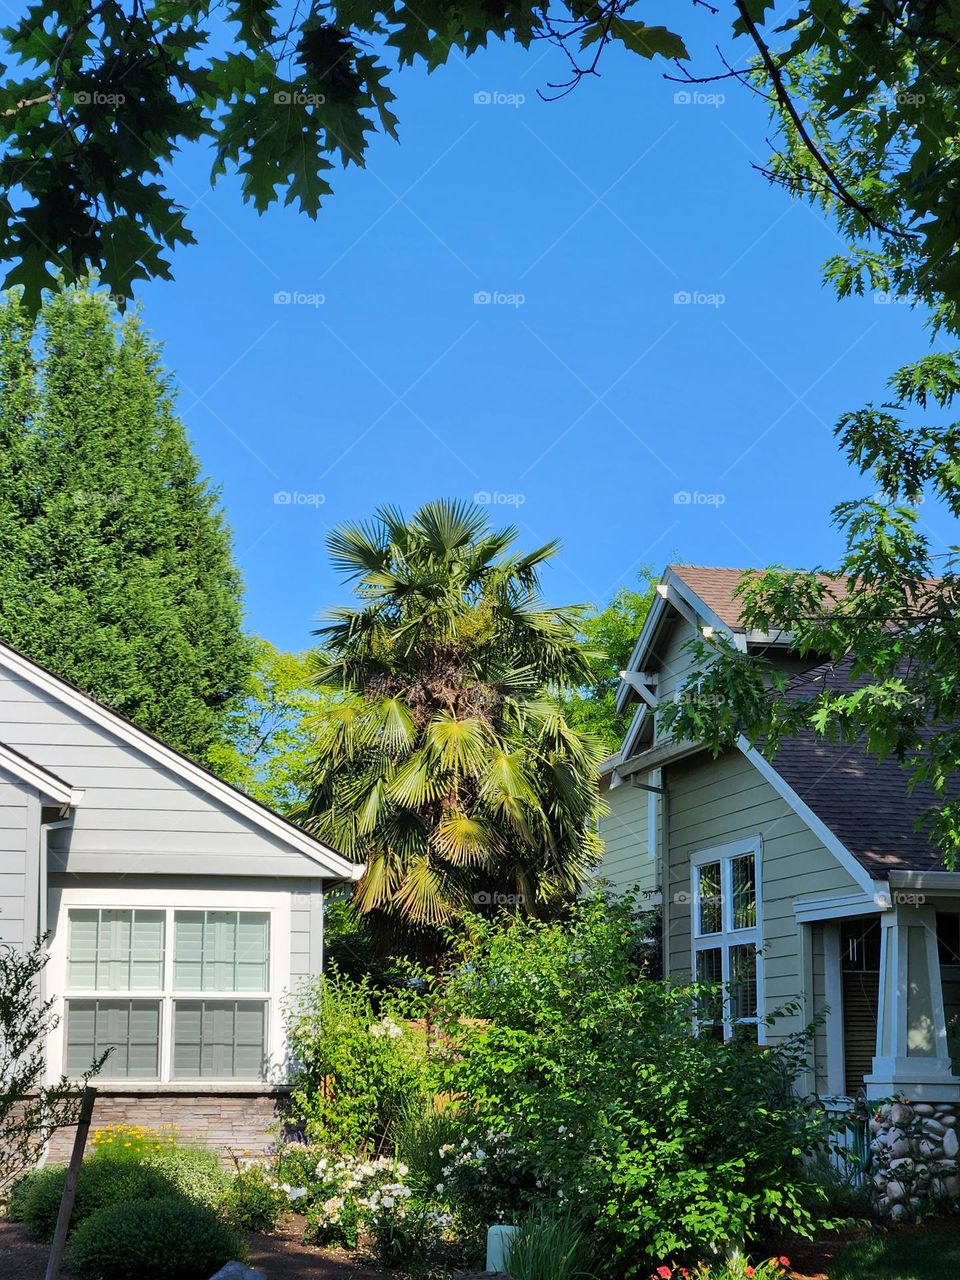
(582, 1083)
(17, 1195)
(194, 1172)
(359, 1065)
(102, 1181)
(165, 1239)
(253, 1201)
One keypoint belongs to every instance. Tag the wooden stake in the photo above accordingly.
(70, 1189)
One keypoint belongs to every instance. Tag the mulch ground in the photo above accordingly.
(282, 1257)
(814, 1259)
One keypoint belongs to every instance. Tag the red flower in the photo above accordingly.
(664, 1272)
(784, 1262)
(749, 1271)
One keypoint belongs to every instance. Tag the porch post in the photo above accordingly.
(911, 1053)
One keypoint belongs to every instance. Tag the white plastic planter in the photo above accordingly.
(499, 1243)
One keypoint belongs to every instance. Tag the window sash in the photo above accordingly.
(147, 950)
(130, 1029)
(727, 883)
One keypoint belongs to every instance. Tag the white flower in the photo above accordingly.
(403, 1170)
(296, 1193)
(387, 1202)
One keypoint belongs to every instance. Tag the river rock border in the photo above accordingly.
(915, 1147)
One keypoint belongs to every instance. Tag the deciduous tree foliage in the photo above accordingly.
(609, 636)
(97, 97)
(116, 570)
(453, 773)
(269, 735)
(889, 615)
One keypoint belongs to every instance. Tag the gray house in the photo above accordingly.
(180, 912)
(798, 882)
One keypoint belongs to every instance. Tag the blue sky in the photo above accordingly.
(584, 397)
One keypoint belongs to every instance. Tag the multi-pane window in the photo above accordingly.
(726, 940)
(170, 993)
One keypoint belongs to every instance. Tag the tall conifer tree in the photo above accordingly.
(116, 569)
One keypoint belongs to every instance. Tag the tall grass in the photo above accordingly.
(418, 1135)
(551, 1247)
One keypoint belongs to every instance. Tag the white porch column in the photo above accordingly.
(911, 1057)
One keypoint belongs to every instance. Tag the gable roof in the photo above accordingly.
(717, 589)
(195, 775)
(864, 803)
(35, 775)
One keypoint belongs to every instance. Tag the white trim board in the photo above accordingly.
(34, 775)
(336, 866)
(824, 834)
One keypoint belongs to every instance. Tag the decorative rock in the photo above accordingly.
(898, 1212)
(933, 1127)
(951, 1144)
(924, 1109)
(951, 1185)
(948, 1119)
(895, 1191)
(239, 1271)
(928, 1148)
(900, 1115)
(899, 1149)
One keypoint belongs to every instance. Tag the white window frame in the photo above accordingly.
(276, 904)
(729, 937)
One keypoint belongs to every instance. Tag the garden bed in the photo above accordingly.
(283, 1256)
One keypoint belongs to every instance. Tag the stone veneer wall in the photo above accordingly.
(245, 1123)
(915, 1148)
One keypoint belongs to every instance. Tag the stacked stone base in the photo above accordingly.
(915, 1148)
(245, 1123)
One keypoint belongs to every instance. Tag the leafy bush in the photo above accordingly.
(343, 1194)
(358, 1065)
(165, 1239)
(254, 1201)
(552, 1248)
(587, 1077)
(407, 1235)
(101, 1182)
(191, 1171)
(17, 1195)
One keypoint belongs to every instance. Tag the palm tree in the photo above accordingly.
(448, 766)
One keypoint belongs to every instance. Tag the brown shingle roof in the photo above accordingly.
(864, 802)
(717, 588)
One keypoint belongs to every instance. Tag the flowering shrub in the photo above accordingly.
(734, 1268)
(672, 1144)
(345, 1195)
(486, 1178)
(358, 1066)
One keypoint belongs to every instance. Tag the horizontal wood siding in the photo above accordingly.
(673, 662)
(17, 865)
(626, 861)
(136, 816)
(713, 802)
